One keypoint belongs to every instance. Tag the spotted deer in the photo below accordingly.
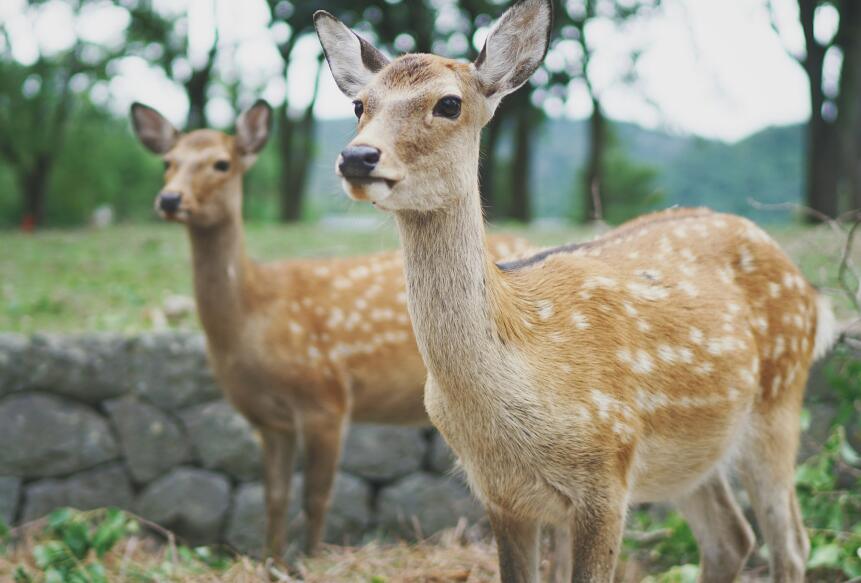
(299, 347)
(642, 366)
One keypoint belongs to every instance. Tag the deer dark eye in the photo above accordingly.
(448, 106)
(222, 165)
(358, 108)
(166, 164)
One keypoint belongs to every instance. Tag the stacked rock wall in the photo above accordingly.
(138, 422)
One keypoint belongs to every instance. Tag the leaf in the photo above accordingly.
(21, 576)
(849, 455)
(59, 518)
(110, 531)
(76, 537)
(827, 555)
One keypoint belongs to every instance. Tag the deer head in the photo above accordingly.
(420, 116)
(203, 168)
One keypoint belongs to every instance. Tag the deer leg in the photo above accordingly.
(767, 470)
(562, 567)
(596, 534)
(278, 451)
(517, 546)
(723, 535)
(323, 438)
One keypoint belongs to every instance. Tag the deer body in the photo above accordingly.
(643, 366)
(299, 347)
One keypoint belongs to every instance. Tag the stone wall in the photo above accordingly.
(138, 422)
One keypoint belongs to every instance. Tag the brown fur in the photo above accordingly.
(644, 366)
(299, 347)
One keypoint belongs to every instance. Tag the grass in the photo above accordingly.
(117, 279)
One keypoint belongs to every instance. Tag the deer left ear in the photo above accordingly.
(352, 60)
(252, 131)
(514, 48)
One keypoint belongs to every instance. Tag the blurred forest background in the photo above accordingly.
(66, 148)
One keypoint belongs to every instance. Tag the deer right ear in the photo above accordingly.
(352, 60)
(514, 48)
(152, 129)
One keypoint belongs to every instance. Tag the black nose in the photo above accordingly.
(358, 161)
(169, 201)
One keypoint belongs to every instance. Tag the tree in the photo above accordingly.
(573, 21)
(36, 101)
(833, 142)
(155, 33)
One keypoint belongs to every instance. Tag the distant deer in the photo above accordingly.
(299, 347)
(642, 366)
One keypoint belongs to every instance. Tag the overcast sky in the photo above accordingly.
(709, 67)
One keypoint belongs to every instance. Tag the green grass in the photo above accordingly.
(113, 279)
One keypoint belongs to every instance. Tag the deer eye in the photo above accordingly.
(222, 165)
(166, 164)
(448, 106)
(358, 108)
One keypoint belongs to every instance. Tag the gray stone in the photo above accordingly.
(441, 459)
(87, 367)
(246, 526)
(14, 362)
(151, 441)
(171, 370)
(347, 521)
(96, 488)
(10, 492)
(349, 515)
(191, 502)
(45, 436)
(383, 453)
(422, 504)
(223, 439)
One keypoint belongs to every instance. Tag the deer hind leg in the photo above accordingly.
(323, 436)
(767, 470)
(596, 534)
(517, 546)
(563, 566)
(279, 446)
(723, 535)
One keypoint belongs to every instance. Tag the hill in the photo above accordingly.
(768, 166)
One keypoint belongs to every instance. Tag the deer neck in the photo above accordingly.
(452, 289)
(223, 278)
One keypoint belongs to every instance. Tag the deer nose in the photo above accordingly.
(358, 161)
(168, 202)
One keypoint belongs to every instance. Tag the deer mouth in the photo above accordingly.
(372, 189)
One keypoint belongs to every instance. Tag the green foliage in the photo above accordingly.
(75, 547)
(74, 543)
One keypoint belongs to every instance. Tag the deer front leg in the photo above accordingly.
(596, 533)
(323, 436)
(561, 567)
(279, 446)
(517, 546)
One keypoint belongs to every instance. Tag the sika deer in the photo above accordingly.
(299, 347)
(642, 366)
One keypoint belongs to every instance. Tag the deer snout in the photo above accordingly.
(358, 161)
(168, 202)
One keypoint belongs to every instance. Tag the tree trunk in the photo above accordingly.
(848, 125)
(822, 168)
(593, 180)
(34, 186)
(521, 165)
(297, 140)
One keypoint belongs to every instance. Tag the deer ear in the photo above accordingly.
(514, 48)
(352, 60)
(252, 130)
(152, 129)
